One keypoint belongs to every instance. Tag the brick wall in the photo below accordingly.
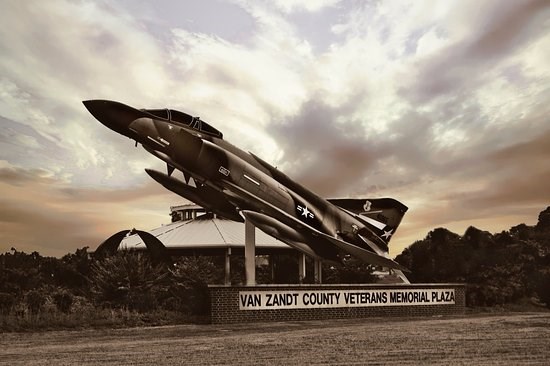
(225, 304)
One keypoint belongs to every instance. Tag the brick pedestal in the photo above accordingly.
(235, 304)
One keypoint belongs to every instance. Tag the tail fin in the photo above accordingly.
(381, 215)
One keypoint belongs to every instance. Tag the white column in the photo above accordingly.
(272, 267)
(250, 253)
(227, 278)
(318, 269)
(301, 267)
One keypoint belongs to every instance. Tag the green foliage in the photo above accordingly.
(543, 224)
(21, 272)
(36, 299)
(7, 301)
(190, 277)
(286, 268)
(128, 280)
(75, 270)
(63, 300)
(129, 289)
(122, 290)
(499, 269)
(238, 276)
(351, 271)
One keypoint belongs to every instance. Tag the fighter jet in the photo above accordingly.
(240, 186)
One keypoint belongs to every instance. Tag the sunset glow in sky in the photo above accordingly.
(443, 105)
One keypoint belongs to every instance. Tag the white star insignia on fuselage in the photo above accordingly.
(305, 212)
(387, 234)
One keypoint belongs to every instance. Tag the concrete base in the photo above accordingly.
(239, 304)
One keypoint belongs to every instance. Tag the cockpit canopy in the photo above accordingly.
(186, 120)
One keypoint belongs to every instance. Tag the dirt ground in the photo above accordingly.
(473, 340)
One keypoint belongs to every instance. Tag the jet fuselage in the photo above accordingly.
(238, 185)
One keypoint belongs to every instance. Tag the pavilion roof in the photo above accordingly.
(204, 232)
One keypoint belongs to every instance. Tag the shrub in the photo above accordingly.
(7, 301)
(63, 300)
(542, 286)
(35, 300)
(128, 280)
(189, 288)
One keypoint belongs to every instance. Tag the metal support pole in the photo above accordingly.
(318, 269)
(227, 278)
(250, 253)
(301, 267)
(272, 267)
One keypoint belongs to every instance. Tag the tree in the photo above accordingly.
(63, 300)
(190, 277)
(499, 268)
(543, 223)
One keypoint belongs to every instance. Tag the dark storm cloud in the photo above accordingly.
(329, 156)
(503, 31)
(322, 153)
(509, 28)
(336, 158)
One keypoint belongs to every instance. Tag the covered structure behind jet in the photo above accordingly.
(239, 185)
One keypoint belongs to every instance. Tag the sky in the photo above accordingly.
(443, 105)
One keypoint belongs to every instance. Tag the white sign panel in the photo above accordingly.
(303, 299)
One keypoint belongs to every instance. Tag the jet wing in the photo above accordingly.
(203, 195)
(317, 236)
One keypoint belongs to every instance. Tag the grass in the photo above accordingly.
(480, 339)
(94, 318)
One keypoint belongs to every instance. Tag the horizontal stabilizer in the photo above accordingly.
(381, 215)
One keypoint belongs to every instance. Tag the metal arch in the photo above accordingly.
(110, 245)
(154, 246)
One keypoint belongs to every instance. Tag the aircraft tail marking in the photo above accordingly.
(381, 215)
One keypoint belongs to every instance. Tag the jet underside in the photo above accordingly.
(238, 185)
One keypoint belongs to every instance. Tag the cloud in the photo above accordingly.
(517, 175)
(475, 57)
(42, 213)
(289, 6)
(508, 29)
(321, 153)
(48, 71)
(17, 176)
(437, 104)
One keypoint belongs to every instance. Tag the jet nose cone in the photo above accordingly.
(115, 115)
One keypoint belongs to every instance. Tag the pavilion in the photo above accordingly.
(194, 231)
